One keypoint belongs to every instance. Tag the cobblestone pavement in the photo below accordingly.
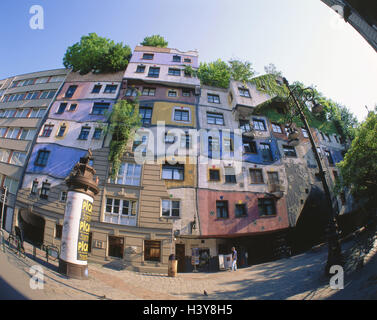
(298, 277)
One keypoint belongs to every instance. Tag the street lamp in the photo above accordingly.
(334, 248)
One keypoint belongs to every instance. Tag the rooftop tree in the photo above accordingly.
(97, 54)
(155, 41)
(216, 74)
(241, 70)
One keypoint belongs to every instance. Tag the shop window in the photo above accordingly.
(116, 246)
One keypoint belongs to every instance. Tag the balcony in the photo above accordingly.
(276, 189)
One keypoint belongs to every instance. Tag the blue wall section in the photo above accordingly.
(60, 161)
(258, 158)
(336, 156)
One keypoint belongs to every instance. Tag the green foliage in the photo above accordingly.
(215, 74)
(155, 41)
(97, 54)
(124, 121)
(241, 70)
(190, 71)
(359, 167)
(271, 69)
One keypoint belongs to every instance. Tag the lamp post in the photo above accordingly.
(334, 248)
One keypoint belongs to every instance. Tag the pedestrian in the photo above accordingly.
(234, 259)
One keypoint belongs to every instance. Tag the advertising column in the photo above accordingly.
(77, 217)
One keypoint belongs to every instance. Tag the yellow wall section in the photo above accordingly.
(163, 111)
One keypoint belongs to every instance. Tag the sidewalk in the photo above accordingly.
(298, 277)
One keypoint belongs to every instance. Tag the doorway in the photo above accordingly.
(116, 247)
(180, 256)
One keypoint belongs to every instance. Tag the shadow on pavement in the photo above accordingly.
(7, 292)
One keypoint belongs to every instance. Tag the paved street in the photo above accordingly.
(299, 277)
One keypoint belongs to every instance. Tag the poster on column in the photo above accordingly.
(84, 229)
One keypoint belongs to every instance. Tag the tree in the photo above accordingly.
(216, 74)
(359, 167)
(97, 54)
(241, 70)
(155, 41)
(124, 121)
(271, 69)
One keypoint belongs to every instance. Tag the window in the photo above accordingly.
(213, 98)
(245, 126)
(259, 125)
(187, 60)
(51, 94)
(45, 190)
(249, 146)
(273, 178)
(328, 138)
(4, 155)
(276, 128)
(72, 107)
(71, 90)
(146, 115)
(305, 133)
(128, 174)
(11, 184)
(170, 208)
(185, 141)
(222, 209)
(266, 152)
(97, 88)
(266, 207)
(40, 113)
(173, 172)
(54, 79)
(119, 211)
(27, 134)
(13, 133)
(140, 69)
(24, 113)
(63, 196)
(213, 144)
(99, 108)
(58, 231)
(148, 56)
(47, 130)
(174, 72)
(186, 92)
(230, 175)
(132, 92)
(18, 158)
(154, 72)
(241, 210)
(169, 138)
(256, 176)
(181, 115)
(43, 80)
(34, 187)
(289, 151)
(152, 250)
(149, 91)
(42, 157)
(84, 133)
(140, 141)
(214, 175)
(228, 145)
(215, 118)
(2, 132)
(244, 92)
(329, 157)
(61, 131)
(110, 88)
(44, 95)
(62, 107)
(97, 133)
(176, 58)
(172, 93)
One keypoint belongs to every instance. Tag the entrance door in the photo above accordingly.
(180, 256)
(116, 246)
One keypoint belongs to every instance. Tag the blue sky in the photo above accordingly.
(306, 40)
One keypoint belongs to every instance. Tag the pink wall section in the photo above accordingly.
(210, 225)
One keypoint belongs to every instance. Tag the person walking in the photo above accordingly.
(234, 259)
